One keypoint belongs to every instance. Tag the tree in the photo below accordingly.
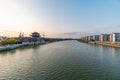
(10, 41)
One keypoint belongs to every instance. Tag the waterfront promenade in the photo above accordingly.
(103, 43)
(109, 44)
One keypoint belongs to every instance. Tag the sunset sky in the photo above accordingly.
(60, 18)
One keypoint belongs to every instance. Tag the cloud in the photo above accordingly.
(75, 34)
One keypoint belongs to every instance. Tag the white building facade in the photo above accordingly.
(115, 37)
(104, 37)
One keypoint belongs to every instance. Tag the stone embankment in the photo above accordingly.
(14, 46)
(116, 44)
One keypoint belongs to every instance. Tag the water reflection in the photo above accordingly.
(22, 49)
(67, 60)
(11, 52)
(112, 52)
(101, 50)
(108, 51)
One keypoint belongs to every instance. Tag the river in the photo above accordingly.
(65, 60)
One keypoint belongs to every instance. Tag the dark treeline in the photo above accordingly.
(56, 39)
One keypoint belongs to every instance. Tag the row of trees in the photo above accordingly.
(10, 41)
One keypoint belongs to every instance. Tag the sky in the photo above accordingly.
(59, 18)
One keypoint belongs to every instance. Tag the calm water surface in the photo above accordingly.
(65, 60)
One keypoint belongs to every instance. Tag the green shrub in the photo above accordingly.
(10, 41)
(4, 42)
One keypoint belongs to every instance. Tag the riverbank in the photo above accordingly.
(109, 44)
(14, 46)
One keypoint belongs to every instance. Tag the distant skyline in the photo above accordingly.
(60, 18)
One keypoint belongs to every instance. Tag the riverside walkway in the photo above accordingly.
(110, 44)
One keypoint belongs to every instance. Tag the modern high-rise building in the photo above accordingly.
(96, 38)
(115, 37)
(104, 37)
